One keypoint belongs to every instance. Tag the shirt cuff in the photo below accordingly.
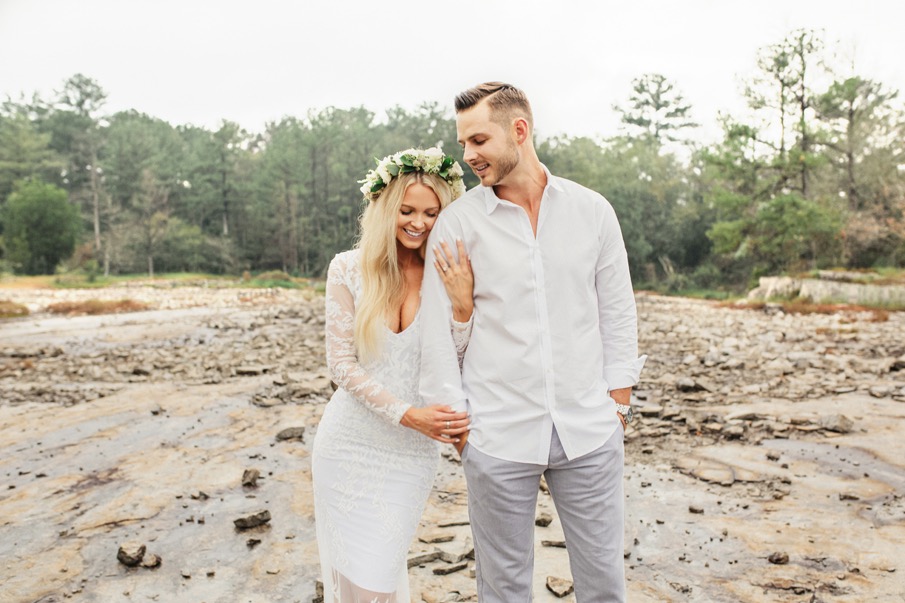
(623, 374)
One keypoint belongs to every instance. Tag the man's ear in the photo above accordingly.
(521, 129)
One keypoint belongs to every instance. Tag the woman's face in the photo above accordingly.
(419, 210)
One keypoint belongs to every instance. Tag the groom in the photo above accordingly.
(548, 373)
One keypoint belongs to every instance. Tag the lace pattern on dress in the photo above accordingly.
(343, 286)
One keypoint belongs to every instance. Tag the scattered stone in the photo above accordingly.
(687, 384)
(252, 521)
(444, 570)
(837, 423)
(131, 554)
(436, 536)
(543, 520)
(151, 561)
(560, 544)
(715, 472)
(291, 433)
(265, 402)
(543, 485)
(560, 587)
(250, 478)
(698, 510)
(848, 496)
(423, 559)
(734, 432)
(881, 391)
(778, 558)
(252, 542)
(446, 597)
(252, 370)
(790, 585)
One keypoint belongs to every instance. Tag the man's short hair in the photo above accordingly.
(505, 101)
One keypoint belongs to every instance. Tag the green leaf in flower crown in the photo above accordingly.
(393, 169)
(377, 186)
(407, 160)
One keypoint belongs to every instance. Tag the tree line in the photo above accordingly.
(813, 175)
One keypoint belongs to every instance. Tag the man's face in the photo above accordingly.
(490, 148)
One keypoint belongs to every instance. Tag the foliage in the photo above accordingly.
(40, 227)
(656, 109)
(811, 175)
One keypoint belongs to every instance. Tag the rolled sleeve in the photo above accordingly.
(624, 374)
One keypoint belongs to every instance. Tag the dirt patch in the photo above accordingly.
(93, 307)
(10, 309)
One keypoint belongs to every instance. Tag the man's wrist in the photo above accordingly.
(625, 412)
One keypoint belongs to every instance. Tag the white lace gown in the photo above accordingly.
(371, 475)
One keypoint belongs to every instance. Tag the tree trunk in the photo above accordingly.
(224, 194)
(95, 202)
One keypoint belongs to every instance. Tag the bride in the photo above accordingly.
(374, 461)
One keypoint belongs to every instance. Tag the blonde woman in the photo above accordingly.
(376, 453)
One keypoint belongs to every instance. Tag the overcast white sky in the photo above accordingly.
(254, 61)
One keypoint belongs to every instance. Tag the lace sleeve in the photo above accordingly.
(342, 359)
(461, 332)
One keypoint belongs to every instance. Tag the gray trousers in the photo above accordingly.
(588, 494)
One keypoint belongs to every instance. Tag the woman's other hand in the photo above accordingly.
(457, 278)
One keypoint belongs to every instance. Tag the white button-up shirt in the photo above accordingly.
(555, 325)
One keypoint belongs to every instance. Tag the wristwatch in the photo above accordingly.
(626, 411)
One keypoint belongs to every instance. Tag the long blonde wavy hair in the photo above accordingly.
(382, 285)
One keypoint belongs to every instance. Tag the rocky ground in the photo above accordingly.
(164, 456)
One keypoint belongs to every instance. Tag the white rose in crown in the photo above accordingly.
(429, 161)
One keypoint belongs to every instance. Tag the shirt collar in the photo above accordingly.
(491, 201)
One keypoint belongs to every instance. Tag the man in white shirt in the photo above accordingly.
(552, 358)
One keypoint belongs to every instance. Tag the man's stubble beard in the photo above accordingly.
(506, 164)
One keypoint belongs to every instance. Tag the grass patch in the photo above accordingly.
(713, 294)
(9, 309)
(78, 280)
(97, 306)
(274, 279)
(8, 281)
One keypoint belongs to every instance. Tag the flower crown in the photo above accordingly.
(429, 161)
